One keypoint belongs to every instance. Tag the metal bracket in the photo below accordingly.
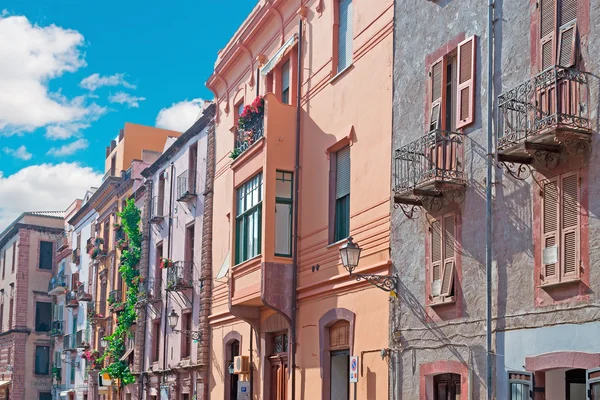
(387, 283)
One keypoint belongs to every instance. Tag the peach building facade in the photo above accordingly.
(278, 224)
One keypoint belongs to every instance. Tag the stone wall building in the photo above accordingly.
(545, 278)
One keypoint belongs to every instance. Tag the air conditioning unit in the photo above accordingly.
(241, 365)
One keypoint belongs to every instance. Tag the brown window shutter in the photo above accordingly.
(449, 251)
(436, 256)
(465, 102)
(567, 11)
(570, 225)
(437, 80)
(550, 228)
(547, 33)
(567, 45)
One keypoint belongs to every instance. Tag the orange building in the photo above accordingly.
(299, 169)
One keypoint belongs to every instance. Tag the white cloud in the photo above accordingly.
(38, 54)
(180, 116)
(96, 81)
(68, 149)
(43, 187)
(65, 131)
(21, 153)
(126, 98)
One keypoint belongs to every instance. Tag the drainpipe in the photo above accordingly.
(251, 369)
(169, 257)
(149, 184)
(488, 203)
(296, 201)
(257, 92)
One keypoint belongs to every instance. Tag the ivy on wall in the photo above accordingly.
(130, 258)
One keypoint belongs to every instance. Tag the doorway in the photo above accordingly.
(233, 378)
(446, 387)
(279, 366)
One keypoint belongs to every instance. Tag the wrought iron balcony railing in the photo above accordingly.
(250, 134)
(157, 209)
(81, 293)
(429, 168)
(82, 339)
(150, 292)
(95, 312)
(535, 114)
(187, 185)
(180, 275)
(71, 299)
(56, 328)
(58, 284)
(115, 300)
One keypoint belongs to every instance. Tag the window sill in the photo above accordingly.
(248, 261)
(339, 242)
(442, 302)
(560, 284)
(341, 73)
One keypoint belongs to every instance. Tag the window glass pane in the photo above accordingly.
(345, 34)
(43, 313)
(283, 229)
(248, 222)
(42, 360)
(285, 75)
(283, 185)
(595, 388)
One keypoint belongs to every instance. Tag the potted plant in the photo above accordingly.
(116, 226)
(166, 263)
(235, 153)
(122, 244)
(56, 374)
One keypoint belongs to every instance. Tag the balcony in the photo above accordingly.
(82, 339)
(57, 285)
(180, 275)
(76, 257)
(115, 301)
(157, 209)
(249, 134)
(71, 300)
(429, 171)
(187, 185)
(544, 116)
(69, 342)
(62, 243)
(95, 312)
(56, 328)
(82, 295)
(150, 292)
(96, 248)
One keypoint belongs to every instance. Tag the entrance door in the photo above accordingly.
(575, 384)
(233, 383)
(279, 372)
(593, 383)
(446, 387)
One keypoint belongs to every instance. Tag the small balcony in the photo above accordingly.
(180, 275)
(57, 285)
(82, 339)
(96, 248)
(71, 300)
(81, 293)
(157, 209)
(429, 171)
(76, 256)
(62, 243)
(115, 301)
(250, 127)
(187, 185)
(543, 116)
(95, 314)
(69, 342)
(150, 292)
(57, 328)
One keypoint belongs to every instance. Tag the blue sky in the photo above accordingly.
(79, 70)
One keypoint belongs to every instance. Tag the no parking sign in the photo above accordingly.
(353, 369)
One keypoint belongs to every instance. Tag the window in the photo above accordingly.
(43, 316)
(186, 341)
(239, 110)
(341, 189)
(285, 82)
(155, 341)
(339, 346)
(45, 256)
(10, 312)
(561, 228)
(519, 385)
(280, 343)
(344, 38)
(249, 219)
(283, 213)
(158, 269)
(72, 376)
(2, 313)
(3, 264)
(189, 243)
(42, 360)
(441, 274)
(14, 256)
(45, 396)
(558, 33)
(452, 89)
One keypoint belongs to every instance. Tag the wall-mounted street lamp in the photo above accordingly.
(350, 254)
(63, 358)
(103, 342)
(173, 318)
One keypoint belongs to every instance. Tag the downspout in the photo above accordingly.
(257, 92)
(251, 369)
(296, 201)
(488, 203)
(149, 185)
(169, 257)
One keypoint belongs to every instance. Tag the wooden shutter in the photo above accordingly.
(547, 33)
(436, 258)
(570, 225)
(449, 245)
(437, 80)
(567, 45)
(342, 184)
(550, 214)
(465, 102)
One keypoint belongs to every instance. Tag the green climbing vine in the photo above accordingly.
(130, 258)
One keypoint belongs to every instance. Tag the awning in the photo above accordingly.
(224, 268)
(65, 393)
(126, 355)
(4, 383)
(268, 67)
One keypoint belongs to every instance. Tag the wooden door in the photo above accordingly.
(446, 387)
(279, 373)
